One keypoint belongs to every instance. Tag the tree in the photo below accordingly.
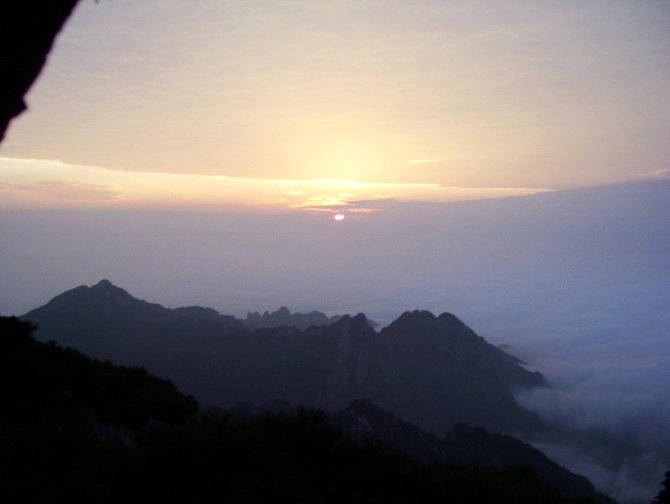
(663, 496)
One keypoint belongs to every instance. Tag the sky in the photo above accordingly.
(266, 105)
(504, 161)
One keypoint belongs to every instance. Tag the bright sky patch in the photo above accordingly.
(52, 184)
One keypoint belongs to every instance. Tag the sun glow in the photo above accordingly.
(26, 183)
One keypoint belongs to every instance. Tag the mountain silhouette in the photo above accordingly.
(77, 429)
(463, 445)
(430, 370)
(284, 317)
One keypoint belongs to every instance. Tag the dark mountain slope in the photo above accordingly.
(463, 445)
(77, 430)
(105, 321)
(451, 368)
(67, 422)
(433, 371)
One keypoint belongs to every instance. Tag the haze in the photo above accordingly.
(506, 162)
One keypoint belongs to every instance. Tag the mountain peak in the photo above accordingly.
(429, 370)
(359, 320)
(99, 302)
(107, 290)
(450, 318)
(416, 318)
(284, 317)
(423, 320)
(106, 286)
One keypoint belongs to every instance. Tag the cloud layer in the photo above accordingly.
(53, 184)
(573, 282)
(502, 94)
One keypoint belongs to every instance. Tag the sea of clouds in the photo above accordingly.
(575, 283)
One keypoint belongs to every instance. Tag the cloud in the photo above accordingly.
(60, 191)
(665, 173)
(608, 373)
(633, 480)
(75, 186)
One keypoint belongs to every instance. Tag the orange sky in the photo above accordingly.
(265, 99)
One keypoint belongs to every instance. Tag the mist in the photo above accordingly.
(572, 282)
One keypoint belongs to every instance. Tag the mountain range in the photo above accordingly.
(284, 317)
(463, 445)
(433, 371)
(84, 430)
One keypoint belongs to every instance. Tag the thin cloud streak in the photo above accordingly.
(56, 190)
(665, 173)
(501, 93)
(29, 183)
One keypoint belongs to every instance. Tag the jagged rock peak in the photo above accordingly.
(423, 320)
(450, 318)
(416, 315)
(103, 295)
(105, 285)
(284, 317)
(108, 289)
(414, 320)
(425, 316)
(104, 288)
(355, 321)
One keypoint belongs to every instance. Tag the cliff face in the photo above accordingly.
(27, 31)
(431, 371)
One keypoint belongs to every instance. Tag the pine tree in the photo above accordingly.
(663, 496)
